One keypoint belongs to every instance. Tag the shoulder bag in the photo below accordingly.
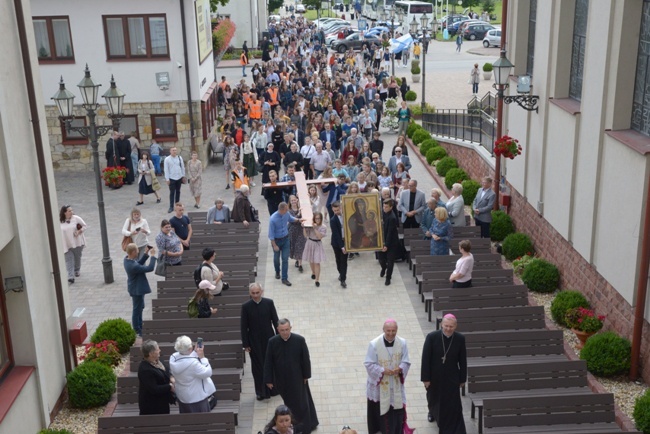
(127, 239)
(161, 266)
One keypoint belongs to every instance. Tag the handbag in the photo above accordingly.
(161, 266)
(212, 400)
(126, 240)
(155, 184)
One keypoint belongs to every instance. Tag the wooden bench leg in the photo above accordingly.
(428, 308)
(480, 420)
(473, 411)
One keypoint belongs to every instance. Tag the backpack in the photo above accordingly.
(197, 273)
(192, 308)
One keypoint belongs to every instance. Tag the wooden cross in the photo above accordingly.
(302, 186)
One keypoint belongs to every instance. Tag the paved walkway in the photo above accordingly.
(337, 323)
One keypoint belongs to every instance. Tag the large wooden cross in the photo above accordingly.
(302, 186)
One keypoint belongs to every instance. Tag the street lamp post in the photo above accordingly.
(64, 100)
(400, 16)
(424, 21)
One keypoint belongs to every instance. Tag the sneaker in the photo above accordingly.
(196, 206)
(253, 184)
(70, 280)
(228, 187)
(286, 282)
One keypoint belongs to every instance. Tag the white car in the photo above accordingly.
(300, 8)
(492, 38)
(275, 18)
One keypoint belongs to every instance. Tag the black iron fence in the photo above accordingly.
(473, 125)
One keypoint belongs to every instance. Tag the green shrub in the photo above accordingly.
(410, 96)
(445, 164)
(564, 301)
(420, 136)
(501, 226)
(117, 330)
(55, 431)
(641, 412)
(487, 67)
(90, 385)
(415, 67)
(455, 175)
(516, 245)
(438, 153)
(426, 145)
(541, 276)
(470, 189)
(606, 354)
(520, 264)
(412, 128)
(398, 81)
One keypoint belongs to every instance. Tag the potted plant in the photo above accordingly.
(507, 147)
(584, 323)
(114, 176)
(487, 71)
(389, 119)
(415, 71)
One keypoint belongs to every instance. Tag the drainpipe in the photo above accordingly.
(641, 291)
(42, 172)
(187, 76)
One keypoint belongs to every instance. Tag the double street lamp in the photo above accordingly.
(393, 12)
(64, 100)
(424, 22)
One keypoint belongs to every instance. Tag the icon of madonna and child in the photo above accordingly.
(362, 220)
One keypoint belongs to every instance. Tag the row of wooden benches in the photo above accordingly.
(221, 335)
(518, 376)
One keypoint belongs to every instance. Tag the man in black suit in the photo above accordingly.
(391, 241)
(338, 245)
(259, 321)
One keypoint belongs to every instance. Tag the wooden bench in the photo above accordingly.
(476, 297)
(200, 226)
(229, 254)
(423, 247)
(217, 241)
(169, 423)
(223, 355)
(228, 394)
(440, 279)
(496, 318)
(210, 329)
(233, 269)
(495, 347)
(176, 308)
(567, 414)
(527, 379)
(181, 288)
(422, 263)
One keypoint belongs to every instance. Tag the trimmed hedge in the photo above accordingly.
(641, 412)
(412, 128)
(410, 96)
(426, 145)
(117, 330)
(455, 175)
(91, 385)
(445, 164)
(541, 276)
(470, 189)
(438, 153)
(607, 354)
(516, 245)
(564, 301)
(420, 136)
(501, 225)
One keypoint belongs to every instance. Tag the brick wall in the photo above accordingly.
(576, 272)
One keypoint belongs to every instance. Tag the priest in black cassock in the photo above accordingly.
(112, 152)
(124, 147)
(444, 372)
(259, 321)
(287, 368)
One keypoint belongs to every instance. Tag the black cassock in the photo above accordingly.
(286, 366)
(258, 324)
(124, 147)
(269, 156)
(112, 153)
(443, 395)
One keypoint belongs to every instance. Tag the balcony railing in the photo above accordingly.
(474, 125)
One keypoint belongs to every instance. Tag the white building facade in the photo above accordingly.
(251, 18)
(158, 51)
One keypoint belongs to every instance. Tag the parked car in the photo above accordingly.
(492, 38)
(300, 8)
(354, 41)
(476, 31)
(377, 31)
(275, 18)
(457, 26)
(333, 36)
(451, 19)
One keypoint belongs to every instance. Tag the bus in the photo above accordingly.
(372, 8)
(414, 9)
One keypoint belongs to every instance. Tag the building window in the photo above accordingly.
(641, 101)
(129, 124)
(73, 137)
(163, 128)
(136, 37)
(578, 52)
(532, 20)
(53, 39)
(6, 354)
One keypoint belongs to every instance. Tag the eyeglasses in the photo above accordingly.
(398, 152)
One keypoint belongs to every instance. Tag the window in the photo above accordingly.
(6, 354)
(578, 53)
(163, 128)
(129, 124)
(53, 39)
(532, 20)
(73, 137)
(641, 100)
(135, 37)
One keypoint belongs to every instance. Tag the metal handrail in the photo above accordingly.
(473, 125)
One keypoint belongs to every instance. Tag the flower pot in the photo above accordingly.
(582, 337)
(115, 185)
(415, 78)
(487, 75)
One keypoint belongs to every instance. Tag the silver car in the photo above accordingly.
(492, 38)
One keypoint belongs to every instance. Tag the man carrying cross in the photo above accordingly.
(444, 373)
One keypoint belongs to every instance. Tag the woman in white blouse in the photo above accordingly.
(138, 229)
(456, 206)
(72, 228)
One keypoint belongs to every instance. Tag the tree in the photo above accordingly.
(315, 3)
(488, 6)
(275, 5)
(214, 4)
(470, 3)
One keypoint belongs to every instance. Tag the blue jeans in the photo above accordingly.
(283, 248)
(156, 163)
(243, 70)
(136, 315)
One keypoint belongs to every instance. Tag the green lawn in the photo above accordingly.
(313, 15)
